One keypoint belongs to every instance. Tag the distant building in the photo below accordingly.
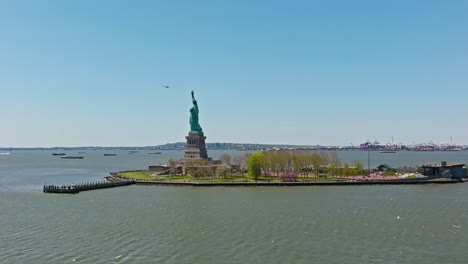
(384, 167)
(444, 169)
(371, 146)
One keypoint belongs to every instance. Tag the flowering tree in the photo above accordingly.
(288, 176)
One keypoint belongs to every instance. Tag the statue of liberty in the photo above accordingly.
(194, 124)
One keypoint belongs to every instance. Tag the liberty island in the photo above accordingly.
(278, 168)
(268, 168)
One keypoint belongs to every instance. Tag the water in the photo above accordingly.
(154, 224)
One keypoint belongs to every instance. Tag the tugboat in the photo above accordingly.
(110, 154)
(58, 154)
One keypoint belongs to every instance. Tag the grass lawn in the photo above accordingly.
(145, 175)
(137, 175)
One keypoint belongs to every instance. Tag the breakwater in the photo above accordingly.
(76, 188)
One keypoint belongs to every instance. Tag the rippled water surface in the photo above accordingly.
(151, 224)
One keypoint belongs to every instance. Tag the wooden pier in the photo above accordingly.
(76, 188)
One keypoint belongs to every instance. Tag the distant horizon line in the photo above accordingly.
(166, 144)
(232, 143)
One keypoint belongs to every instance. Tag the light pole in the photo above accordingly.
(368, 162)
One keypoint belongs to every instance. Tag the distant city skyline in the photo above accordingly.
(93, 73)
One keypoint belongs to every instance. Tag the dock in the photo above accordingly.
(76, 188)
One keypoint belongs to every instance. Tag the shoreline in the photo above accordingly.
(282, 184)
(112, 181)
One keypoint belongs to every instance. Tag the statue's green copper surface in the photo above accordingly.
(194, 124)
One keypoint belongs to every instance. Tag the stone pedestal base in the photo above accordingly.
(196, 148)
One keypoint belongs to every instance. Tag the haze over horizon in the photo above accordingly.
(221, 142)
(92, 73)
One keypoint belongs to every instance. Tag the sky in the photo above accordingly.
(91, 73)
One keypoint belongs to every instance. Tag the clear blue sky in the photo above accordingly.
(75, 73)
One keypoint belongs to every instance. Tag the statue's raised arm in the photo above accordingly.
(193, 96)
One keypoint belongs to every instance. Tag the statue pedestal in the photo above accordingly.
(196, 148)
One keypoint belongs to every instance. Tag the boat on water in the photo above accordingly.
(455, 149)
(387, 151)
(110, 154)
(132, 151)
(58, 154)
(71, 157)
(5, 153)
(154, 153)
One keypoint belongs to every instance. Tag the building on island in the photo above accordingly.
(444, 170)
(385, 167)
(163, 169)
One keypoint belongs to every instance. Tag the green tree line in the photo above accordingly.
(303, 163)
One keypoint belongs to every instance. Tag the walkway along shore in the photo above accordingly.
(117, 182)
(272, 184)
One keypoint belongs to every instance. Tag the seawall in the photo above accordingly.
(276, 184)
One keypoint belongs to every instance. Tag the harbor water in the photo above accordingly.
(161, 224)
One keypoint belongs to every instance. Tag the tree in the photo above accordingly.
(279, 161)
(335, 163)
(197, 162)
(226, 158)
(256, 162)
(267, 164)
(345, 169)
(318, 160)
(173, 164)
(273, 162)
(237, 160)
(197, 168)
(358, 167)
(222, 171)
(245, 160)
(300, 162)
(283, 160)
